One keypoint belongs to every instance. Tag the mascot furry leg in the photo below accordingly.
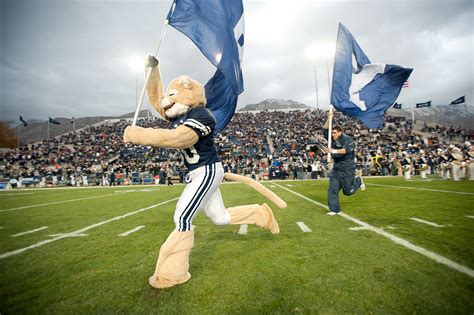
(173, 262)
(261, 216)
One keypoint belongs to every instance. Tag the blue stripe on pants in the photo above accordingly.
(193, 205)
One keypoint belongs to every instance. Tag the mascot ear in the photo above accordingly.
(186, 82)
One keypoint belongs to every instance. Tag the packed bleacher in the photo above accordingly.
(263, 145)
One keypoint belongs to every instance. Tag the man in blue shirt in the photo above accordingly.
(342, 175)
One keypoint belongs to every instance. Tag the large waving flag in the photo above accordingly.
(217, 29)
(364, 90)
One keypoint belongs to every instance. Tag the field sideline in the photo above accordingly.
(400, 247)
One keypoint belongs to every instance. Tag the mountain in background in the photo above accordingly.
(274, 104)
(461, 115)
(445, 115)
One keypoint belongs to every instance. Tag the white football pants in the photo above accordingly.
(202, 193)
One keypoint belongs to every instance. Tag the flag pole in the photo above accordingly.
(316, 84)
(330, 136)
(148, 75)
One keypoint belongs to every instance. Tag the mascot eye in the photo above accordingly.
(172, 92)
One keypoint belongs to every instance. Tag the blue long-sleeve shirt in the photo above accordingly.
(342, 161)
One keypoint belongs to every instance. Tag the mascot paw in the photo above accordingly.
(128, 133)
(272, 223)
(163, 283)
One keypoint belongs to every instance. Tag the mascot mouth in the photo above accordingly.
(176, 109)
(166, 103)
(168, 106)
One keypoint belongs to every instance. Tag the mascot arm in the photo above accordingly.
(180, 138)
(154, 88)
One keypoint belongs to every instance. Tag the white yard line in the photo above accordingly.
(31, 231)
(132, 231)
(57, 202)
(243, 229)
(470, 216)
(426, 189)
(400, 241)
(81, 231)
(426, 222)
(303, 227)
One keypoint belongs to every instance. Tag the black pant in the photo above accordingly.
(341, 179)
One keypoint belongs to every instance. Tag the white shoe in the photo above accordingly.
(362, 185)
(332, 213)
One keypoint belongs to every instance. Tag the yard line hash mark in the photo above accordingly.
(132, 231)
(398, 240)
(243, 229)
(303, 227)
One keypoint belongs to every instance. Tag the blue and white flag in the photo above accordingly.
(459, 100)
(364, 90)
(425, 104)
(217, 29)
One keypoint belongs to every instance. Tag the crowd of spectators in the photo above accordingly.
(273, 145)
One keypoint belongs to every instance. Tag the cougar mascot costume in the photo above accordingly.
(192, 132)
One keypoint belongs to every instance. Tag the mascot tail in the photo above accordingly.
(258, 187)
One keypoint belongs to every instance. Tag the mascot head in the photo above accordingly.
(182, 95)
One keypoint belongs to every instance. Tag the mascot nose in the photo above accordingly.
(166, 103)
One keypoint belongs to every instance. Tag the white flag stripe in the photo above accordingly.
(303, 227)
(32, 231)
(132, 230)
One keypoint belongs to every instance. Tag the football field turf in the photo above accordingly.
(400, 247)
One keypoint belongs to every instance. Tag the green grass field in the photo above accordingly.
(77, 263)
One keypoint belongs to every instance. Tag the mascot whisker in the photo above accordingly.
(192, 132)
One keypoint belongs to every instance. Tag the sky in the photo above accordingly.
(64, 58)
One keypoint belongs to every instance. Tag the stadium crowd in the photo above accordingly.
(263, 145)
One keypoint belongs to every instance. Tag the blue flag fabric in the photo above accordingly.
(425, 104)
(53, 121)
(23, 121)
(217, 28)
(459, 100)
(363, 90)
